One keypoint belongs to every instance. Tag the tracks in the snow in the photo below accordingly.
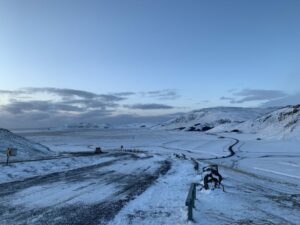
(82, 181)
(229, 148)
(56, 157)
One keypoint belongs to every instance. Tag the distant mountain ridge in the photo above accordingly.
(86, 125)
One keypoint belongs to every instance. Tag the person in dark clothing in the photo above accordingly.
(8, 153)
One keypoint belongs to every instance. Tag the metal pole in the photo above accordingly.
(194, 192)
(190, 212)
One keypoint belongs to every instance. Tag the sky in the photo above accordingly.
(129, 61)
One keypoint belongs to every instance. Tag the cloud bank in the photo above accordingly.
(28, 107)
(150, 106)
(267, 98)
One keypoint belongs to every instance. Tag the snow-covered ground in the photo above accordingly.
(22, 170)
(147, 184)
(163, 203)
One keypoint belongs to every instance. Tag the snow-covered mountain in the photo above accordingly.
(136, 125)
(209, 118)
(26, 149)
(83, 125)
(281, 123)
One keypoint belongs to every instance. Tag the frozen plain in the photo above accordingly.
(149, 185)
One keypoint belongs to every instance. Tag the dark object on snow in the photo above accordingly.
(122, 147)
(10, 152)
(190, 201)
(181, 156)
(210, 179)
(236, 131)
(212, 175)
(210, 168)
(180, 128)
(259, 139)
(192, 129)
(206, 128)
(177, 156)
(98, 150)
(196, 164)
(203, 129)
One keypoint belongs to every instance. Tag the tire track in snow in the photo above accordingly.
(129, 186)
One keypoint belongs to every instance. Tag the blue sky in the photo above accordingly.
(207, 53)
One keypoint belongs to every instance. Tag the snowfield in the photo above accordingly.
(147, 183)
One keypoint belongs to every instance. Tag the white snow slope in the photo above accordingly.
(283, 123)
(204, 119)
(26, 149)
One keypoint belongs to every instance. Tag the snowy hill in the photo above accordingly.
(206, 119)
(283, 123)
(26, 149)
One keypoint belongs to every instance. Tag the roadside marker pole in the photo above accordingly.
(190, 201)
